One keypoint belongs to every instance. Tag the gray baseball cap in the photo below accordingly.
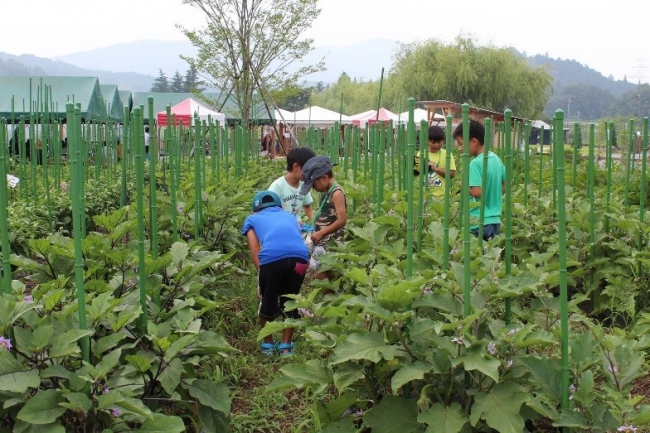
(312, 170)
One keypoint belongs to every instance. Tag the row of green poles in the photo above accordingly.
(138, 142)
(467, 258)
(508, 206)
(409, 187)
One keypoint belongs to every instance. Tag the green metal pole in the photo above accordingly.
(125, 135)
(642, 186)
(541, 161)
(595, 298)
(526, 161)
(423, 184)
(508, 258)
(446, 216)
(467, 258)
(610, 140)
(576, 147)
(4, 227)
(487, 146)
(197, 178)
(409, 185)
(153, 201)
(138, 144)
(383, 133)
(628, 162)
(74, 151)
(561, 212)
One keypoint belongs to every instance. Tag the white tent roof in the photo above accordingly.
(539, 123)
(419, 114)
(317, 116)
(280, 113)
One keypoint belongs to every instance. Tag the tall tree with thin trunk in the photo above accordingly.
(251, 46)
(177, 82)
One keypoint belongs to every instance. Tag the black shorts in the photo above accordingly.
(279, 278)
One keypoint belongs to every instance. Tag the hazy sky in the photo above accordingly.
(610, 37)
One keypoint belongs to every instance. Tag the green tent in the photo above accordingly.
(114, 105)
(60, 90)
(213, 100)
(127, 99)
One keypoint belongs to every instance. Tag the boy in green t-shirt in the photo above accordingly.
(437, 162)
(494, 188)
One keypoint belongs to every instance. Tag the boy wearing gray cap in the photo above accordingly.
(331, 215)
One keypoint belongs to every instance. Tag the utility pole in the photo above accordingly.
(639, 75)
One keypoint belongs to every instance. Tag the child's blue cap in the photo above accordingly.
(306, 227)
(264, 199)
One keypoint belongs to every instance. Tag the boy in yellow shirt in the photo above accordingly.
(437, 162)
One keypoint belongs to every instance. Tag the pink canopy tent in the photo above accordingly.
(370, 117)
(186, 110)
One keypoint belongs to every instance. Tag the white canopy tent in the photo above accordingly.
(318, 117)
(420, 114)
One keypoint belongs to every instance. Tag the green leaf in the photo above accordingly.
(475, 360)
(500, 408)
(301, 375)
(179, 252)
(346, 375)
(43, 407)
(210, 393)
(408, 373)
(41, 337)
(65, 344)
(78, 402)
(140, 363)
(545, 373)
(135, 406)
(572, 420)
(178, 345)
(25, 427)
(213, 420)
(369, 346)
(12, 376)
(441, 419)
(106, 343)
(171, 376)
(163, 424)
(393, 414)
(107, 363)
(358, 275)
(341, 426)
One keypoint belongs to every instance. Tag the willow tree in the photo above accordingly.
(485, 76)
(251, 46)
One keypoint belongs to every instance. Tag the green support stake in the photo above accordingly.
(644, 180)
(576, 148)
(561, 213)
(153, 201)
(608, 195)
(541, 161)
(383, 133)
(138, 145)
(124, 141)
(595, 299)
(423, 184)
(197, 179)
(509, 171)
(4, 227)
(628, 163)
(409, 187)
(74, 151)
(449, 141)
(487, 146)
(467, 257)
(526, 161)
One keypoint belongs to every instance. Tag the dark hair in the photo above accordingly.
(436, 134)
(146, 128)
(476, 130)
(299, 155)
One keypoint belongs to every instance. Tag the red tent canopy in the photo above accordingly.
(370, 117)
(186, 110)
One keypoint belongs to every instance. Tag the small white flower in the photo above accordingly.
(427, 291)
(612, 368)
(457, 340)
(509, 363)
(512, 332)
(626, 428)
(492, 348)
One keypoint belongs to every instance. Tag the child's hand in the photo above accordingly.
(316, 237)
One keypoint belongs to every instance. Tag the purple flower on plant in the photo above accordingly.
(457, 340)
(613, 368)
(509, 364)
(427, 291)
(106, 390)
(512, 332)
(28, 299)
(305, 312)
(116, 413)
(180, 208)
(492, 348)
(202, 280)
(5, 342)
(626, 428)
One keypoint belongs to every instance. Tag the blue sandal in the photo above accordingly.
(267, 348)
(285, 349)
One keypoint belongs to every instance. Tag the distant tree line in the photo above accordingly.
(178, 83)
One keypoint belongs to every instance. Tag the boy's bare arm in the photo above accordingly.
(309, 211)
(254, 247)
